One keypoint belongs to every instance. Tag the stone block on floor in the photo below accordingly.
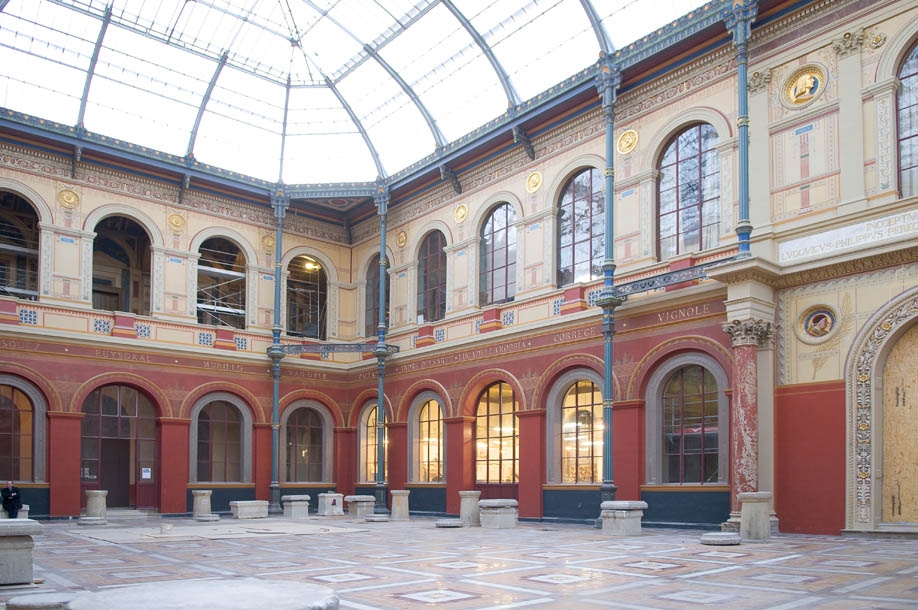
(249, 509)
(622, 518)
(498, 514)
(296, 507)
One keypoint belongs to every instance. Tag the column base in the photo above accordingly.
(381, 498)
(274, 506)
(606, 494)
(733, 523)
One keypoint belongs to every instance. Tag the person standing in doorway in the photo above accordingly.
(12, 501)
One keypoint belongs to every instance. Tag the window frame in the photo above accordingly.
(414, 435)
(486, 266)
(431, 274)
(318, 287)
(328, 439)
(363, 441)
(515, 459)
(900, 90)
(245, 414)
(597, 231)
(371, 296)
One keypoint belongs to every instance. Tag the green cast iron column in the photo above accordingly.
(382, 205)
(279, 201)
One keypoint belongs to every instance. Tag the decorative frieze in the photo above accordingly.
(756, 333)
(850, 43)
(759, 81)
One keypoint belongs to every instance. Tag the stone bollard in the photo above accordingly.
(399, 504)
(201, 508)
(360, 506)
(331, 504)
(16, 550)
(498, 514)
(95, 507)
(755, 521)
(296, 507)
(469, 511)
(622, 518)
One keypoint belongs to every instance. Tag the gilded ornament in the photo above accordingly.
(68, 198)
(176, 222)
(804, 85)
(402, 239)
(885, 325)
(877, 40)
(462, 212)
(534, 182)
(267, 242)
(627, 142)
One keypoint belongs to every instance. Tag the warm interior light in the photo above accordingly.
(311, 265)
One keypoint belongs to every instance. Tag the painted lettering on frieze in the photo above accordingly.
(684, 313)
(575, 335)
(19, 346)
(119, 355)
(219, 365)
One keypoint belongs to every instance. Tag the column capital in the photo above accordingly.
(752, 332)
(849, 43)
(738, 19)
(280, 201)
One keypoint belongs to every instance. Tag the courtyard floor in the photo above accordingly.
(414, 565)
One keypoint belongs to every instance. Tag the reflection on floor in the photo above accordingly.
(414, 565)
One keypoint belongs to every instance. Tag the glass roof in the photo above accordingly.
(306, 91)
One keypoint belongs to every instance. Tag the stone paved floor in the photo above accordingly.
(414, 565)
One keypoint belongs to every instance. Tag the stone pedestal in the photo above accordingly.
(41, 601)
(720, 538)
(249, 509)
(331, 504)
(359, 507)
(622, 517)
(201, 507)
(248, 593)
(23, 513)
(498, 514)
(16, 550)
(755, 518)
(469, 512)
(400, 504)
(95, 507)
(296, 507)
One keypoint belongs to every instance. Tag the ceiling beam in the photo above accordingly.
(363, 132)
(90, 71)
(605, 43)
(203, 105)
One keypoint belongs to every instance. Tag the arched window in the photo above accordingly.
(908, 124)
(121, 265)
(581, 434)
(219, 443)
(18, 248)
(690, 427)
(16, 423)
(430, 442)
(497, 438)
(372, 297)
(305, 452)
(368, 446)
(581, 228)
(306, 298)
(497, 275)
(689, 192)
(432, 278)
(221, 283)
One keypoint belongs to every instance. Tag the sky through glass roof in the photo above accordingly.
(348, 88)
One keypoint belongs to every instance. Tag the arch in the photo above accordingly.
(653, 399)
(154, 393)
(331, 271)
(409, 395)
(247, 397)
(864, 367)
(553, 397)
(637, 383)
(574, 166)
(361, 422)
(413, 433)
(328, 440)
(559, 367)
(430, 227)
(484, 210)
(361, 402)
(467, 402)
(42, 209)
(138, 216)
(245, 446)
(321, 397)
(49, 392)
(897, 48)
(251, 258)
(699, 114)
(39, 421)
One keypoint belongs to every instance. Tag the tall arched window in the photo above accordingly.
(16, 422)
(908, 124)
(581, 434)
(497, 438)
(432, 278)
(304, 446)
(121, 265)
(497, 275)
(306, 298)
(430, 442)
(221, 283)
(18, 248)
(689, 192)
(581, 228)
(219, 443)
(690, 426)
(372, 297)
(368, 447)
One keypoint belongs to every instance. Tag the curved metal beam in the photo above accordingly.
(280, 172)
(3, 4)
(431, 123)
(204, 100)
(513, 98)
(605, 43)
(106, 19)
(359, 126)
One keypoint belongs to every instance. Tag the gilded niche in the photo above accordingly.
(627, 142)
(804, 86)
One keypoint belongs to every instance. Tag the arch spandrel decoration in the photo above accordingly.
(863, 397)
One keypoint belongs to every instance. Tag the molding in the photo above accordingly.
(799, 116)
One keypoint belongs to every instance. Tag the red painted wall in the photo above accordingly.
(532, 462)
(397, 460)
(460, 460)
(345, 460)
(810, 457)
(173, 469)
(628, 448)
(64, 463)
(261, 462)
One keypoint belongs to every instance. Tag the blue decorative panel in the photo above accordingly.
(507, 318)
(103, 327)
(242, 343)
(324, 355)
(414, 341)
(206, 339)
(440, 335)
(477, 326)
(143, 331)
(592, 296)
(556, 306)
(28, 316)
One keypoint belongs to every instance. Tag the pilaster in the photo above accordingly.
(759, 154)
(884, 99)
(850, 116)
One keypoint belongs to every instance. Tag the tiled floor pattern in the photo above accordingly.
(414, 565)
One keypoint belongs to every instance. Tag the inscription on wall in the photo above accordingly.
(852, 236)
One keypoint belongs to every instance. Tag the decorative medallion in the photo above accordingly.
(627, 142)
(816, 324)
(462, 212)
(68, 199)
(877, 40)
(176, 222)
(267, 241)
(402, 239)
(534, 182)
(804, 86)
